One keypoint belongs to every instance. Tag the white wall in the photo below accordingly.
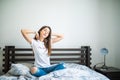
(83, 22)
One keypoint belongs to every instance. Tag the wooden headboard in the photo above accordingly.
(71, 55)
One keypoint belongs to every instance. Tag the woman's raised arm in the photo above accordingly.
(56, 37)
(26, 32)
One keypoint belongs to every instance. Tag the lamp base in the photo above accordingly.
(104, 67)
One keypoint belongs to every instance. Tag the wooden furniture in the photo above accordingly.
(71, 55)
(112, 73)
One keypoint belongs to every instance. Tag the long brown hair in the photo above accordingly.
(47, 40)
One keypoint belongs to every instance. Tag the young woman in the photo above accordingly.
(41, 45)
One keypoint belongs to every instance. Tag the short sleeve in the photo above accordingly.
(33, 42)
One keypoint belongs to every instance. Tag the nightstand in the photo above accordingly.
(112, 73)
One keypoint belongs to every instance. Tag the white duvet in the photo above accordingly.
(72, 72)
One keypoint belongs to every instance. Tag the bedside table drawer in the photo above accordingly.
(112, 73)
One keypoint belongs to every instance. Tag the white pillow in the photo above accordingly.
(18, 69)
(29, 65)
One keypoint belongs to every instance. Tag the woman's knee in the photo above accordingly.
(33, 70)
(37, 72)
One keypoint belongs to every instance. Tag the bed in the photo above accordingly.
(17, 63)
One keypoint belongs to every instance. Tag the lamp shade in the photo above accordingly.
(104, 51)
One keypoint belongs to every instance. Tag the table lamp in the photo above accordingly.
(104, 51)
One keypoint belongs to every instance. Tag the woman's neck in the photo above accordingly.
(41, 39)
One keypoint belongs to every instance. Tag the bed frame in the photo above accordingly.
(71, 55)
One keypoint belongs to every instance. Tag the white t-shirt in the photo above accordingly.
(40, 53)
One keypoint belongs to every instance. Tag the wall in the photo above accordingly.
(83, 22)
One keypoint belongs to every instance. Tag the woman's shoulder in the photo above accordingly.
(33, 41)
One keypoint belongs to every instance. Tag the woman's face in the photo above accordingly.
(44, 32)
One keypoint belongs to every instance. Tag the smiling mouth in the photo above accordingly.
(44, 35)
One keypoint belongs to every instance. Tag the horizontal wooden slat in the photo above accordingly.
(53, 59)
(68, 54)
(20, 59)
(22, 54)
(54, 49)
(66, 49)
(59, 59)
(54, 54)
